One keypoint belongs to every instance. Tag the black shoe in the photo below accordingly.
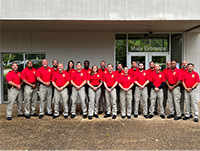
(45, 113)
(146, 116)
(27, 116)
(69, 113)
(106, 112)
(89, 117)
(9, 118)
(60, 112)
(117, 112)
(191, 116)
(139, 113)
(50, 114)
(65, 116)
(170, 116)
(128, 117)
(107, 115)
(34, 115)
(182, 114)
(81, 113)
(55, 116)
(84, 116)
(100, 112)
(132, 112)
(196, 120)
(177, 118)
(150, 116)
(155, 113)
(162, 116)
(135, 116)
(41, 116)
(123, 117)
(73, 116)
(96, 116)
(185, 118)
(21, 115)
(114, 117)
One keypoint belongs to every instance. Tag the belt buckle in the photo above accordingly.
(12, 87)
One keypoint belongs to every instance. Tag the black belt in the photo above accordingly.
(95, 85)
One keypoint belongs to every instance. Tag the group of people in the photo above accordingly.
(102, 88)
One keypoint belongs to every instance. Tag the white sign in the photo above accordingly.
(133, 48)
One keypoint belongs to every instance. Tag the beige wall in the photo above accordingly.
(62, 45)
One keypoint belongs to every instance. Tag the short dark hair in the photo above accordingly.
(109, 64)
(14, 63)
(134, 61)
(141, 63)
(150, 62)
(55, 60)
(78, 63)
(86, 61)
(103, 61)
(191, 64)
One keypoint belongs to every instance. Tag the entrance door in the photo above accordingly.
(156, 57)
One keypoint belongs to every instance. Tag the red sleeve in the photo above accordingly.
(53, 78)
(116, 78)
(132, 79)
(72, 76)
(23, 76)
(197, 78)
(120, 79)
(8, 77)
(148, 76)
(89, 77)
(38, 73)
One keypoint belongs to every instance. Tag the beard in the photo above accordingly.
(55, 66)
(140, 69)
(86, 68)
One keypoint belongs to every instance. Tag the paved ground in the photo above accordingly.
(98, 134)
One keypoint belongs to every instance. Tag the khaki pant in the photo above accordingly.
(30, 97)
(57, 96)
(123, 97)
(94, 101)
(191, 99)
(13, 95)
(133, 100)
(138, 94)
(154, 96)
(81, 93)
(174, 98)
(102, 100)
(111, 97)
(45, 95)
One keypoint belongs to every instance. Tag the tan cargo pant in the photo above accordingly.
(138, 94)
(123, 97)
(174, 98)
(102, 99)
(45, 95)
(111, 97)
(192, 100)
(94, 101)
(154, 96)
(30, 97)
(57, 96)
(14, 94)
(81, 94)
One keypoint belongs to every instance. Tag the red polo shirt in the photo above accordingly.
(183, 72)
(190, 78)
(157, 78)
(15, 77)
(78, 77)
(88, 71)
(150, 71)
(119, 74)
(60, 79)
(70, 72)
(165, 71)
(141, 77)
(173, 76)
(126, 81)
(54, 70)
(94, 79)
(102, 72)
(29, 75)
(44, 74)
(132, 72)
(110, 79)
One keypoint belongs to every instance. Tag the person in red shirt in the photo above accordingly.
(165, 87)
(141, 80)
(70, 70)
(190, 82)
(126, 83)
(173, 81)
(60, 80)
(150, 71)
(119, 72)
(78, 80)
(102, 100)
(94, 80)
(157, 81)
(110, 82)
(28, 77)
(132, 71)
(14, 91)
(44, 75)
